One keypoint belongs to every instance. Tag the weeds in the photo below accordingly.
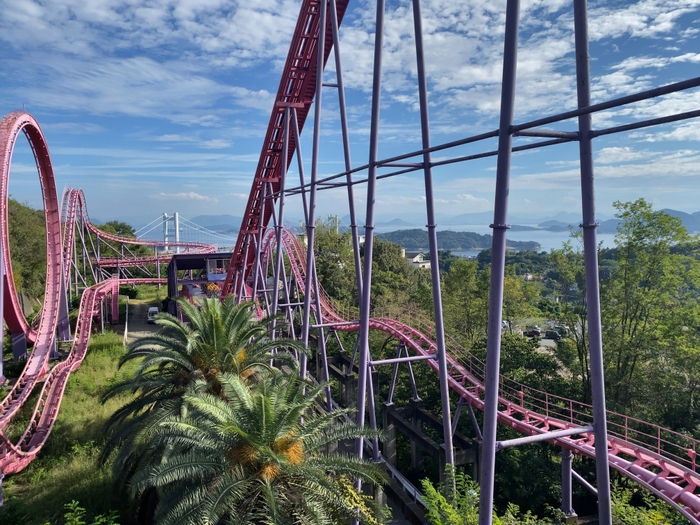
(67, 469)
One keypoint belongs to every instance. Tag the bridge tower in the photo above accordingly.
(171, 230)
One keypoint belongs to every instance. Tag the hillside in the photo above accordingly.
(448, 240)
(28, 248)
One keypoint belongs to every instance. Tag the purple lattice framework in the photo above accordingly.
(659, 459)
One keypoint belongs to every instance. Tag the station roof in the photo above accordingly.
(195, 261)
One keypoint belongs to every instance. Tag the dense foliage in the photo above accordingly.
(68, 466)
(215, 434)
(27, 248)
(650, 301)
(444, 507)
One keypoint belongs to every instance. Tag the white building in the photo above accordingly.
(417, 259)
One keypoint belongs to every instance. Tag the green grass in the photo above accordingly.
(149, 293)
(67, 468)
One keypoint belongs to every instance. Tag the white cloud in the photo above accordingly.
(74, 128)
(165, 59)
(138, 87)
(656, 172)
(686, 131)
(615, 155)
(226, 32)
(186, 196)
(466, 201)
(174, 137)
(646, 18)
(215, 144)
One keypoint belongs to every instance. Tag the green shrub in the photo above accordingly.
(75, 515)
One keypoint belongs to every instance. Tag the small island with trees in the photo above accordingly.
(417, 239)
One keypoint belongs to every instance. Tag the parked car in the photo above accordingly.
(552, 334)
(533, 331)
(563, 330)
(150, 316)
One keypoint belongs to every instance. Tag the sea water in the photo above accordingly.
(547, 239)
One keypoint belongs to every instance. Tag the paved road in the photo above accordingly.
(138, 327)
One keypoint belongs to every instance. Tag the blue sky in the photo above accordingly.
(162, 105)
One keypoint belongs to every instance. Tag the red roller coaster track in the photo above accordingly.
(297, 89)
(60, 225)
(657, 458)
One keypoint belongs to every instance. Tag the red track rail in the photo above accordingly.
(75, 210)
(297, 89)
(43, 336)
(10, 127)
(14, 457)
(659, 459)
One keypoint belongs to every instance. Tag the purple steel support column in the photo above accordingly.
(300, 164)
(287, 294)
(346, 150)
(372, 417)
(394, 375)
(566, 505)
(354, 349)
(412, 377)
(432, 237)
(236, 278)
(273, 213)
(241, 284)
(280, 219)
(63, 327)
(268, 261)
(590, 251)
(498, 259)
(82, 240)
(475, 424)
(310, 226)
(97, 240)
(369, 224)
(340, 343)
(458, 413)
(321, 338)
(75, 265)
(258, 253)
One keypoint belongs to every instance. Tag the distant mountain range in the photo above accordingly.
(219, 223)
(481, 218)
(559, 222)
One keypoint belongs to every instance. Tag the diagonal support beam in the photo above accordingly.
(546, 436)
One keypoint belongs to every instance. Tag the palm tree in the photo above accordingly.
(256, 456)
(224, 337)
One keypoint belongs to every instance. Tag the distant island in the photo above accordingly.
(448, 240)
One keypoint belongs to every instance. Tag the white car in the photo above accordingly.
(150, 317)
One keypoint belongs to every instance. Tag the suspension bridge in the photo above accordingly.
(83, 260)
(173, 229)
